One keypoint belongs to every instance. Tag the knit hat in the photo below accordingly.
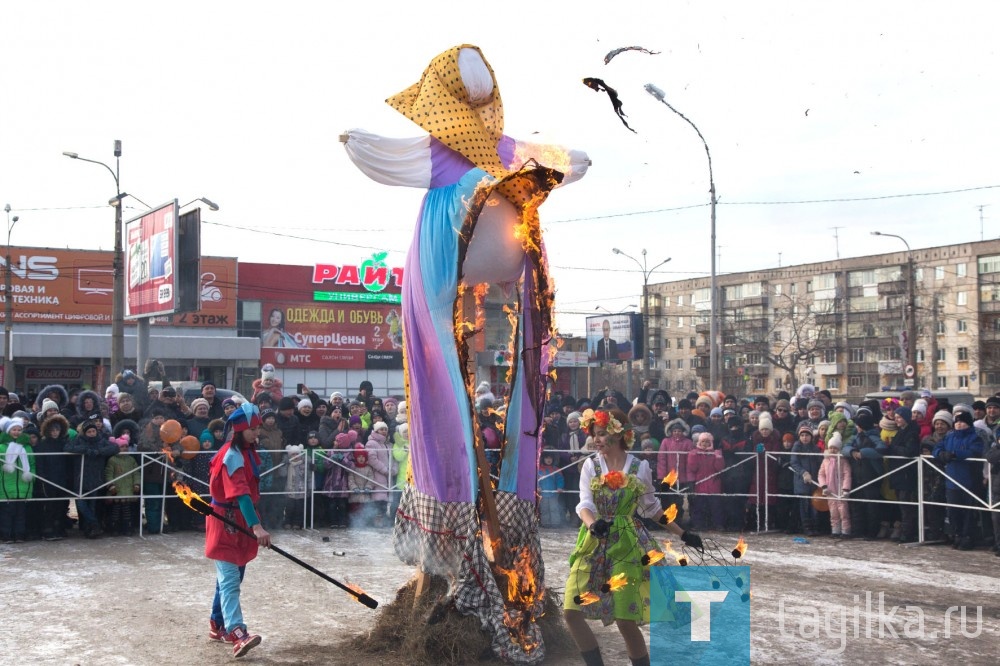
(267, 371)
(198, 402)
(804, 426)
(573, 415)
(47, 405)
(765, 423)
(286, 403)
(782, 404)
(697, 430)
(360, 452)
(312, 434)
(12, 423)
(304, 402)
(716, 411)
(227, 402)
(993, 400)
(208, 382)
(846, 406)
(920, 406)
(961, 407)
(909, 395)
(246, 416)
(345, 440)
(684, 403)
(381, 426)
(905, 412)
(354, 419)
(964, 417)
(816, 403)
(336, 394)
(703, 400)
(788, 437)
(835, 442)
(864, 419)
(945, 416)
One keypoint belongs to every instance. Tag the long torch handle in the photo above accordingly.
(360, 596)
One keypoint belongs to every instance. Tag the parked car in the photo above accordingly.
(192, 390)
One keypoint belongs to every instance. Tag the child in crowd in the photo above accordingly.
(766, 442)
(787, 508)
(673, 457)
(835, 479)
(17, 480)
(338, 465)
(295, 487)
(805, 463)
(316, 469)
(401, 458)
(123, 478)
(704, 462)
(380, 462)
(93, 449)
(361, 484)
(550, 484)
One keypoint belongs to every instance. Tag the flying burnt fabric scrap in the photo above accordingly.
(601, 86)
(612, 54)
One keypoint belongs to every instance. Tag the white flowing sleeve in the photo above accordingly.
(649, 503)
(573, 164)
(586, 496)
(390, 161)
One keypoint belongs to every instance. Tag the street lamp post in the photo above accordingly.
(8, 321)
(911, 307)
(118, 284)
(713, 343)
(646, 272)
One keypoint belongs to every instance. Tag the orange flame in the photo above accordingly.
(168, 453)
(357, 590)
(617, 582)
(653, 556)
(588, 598)
(185, 493)
(740, 549)
(671, 478)
(671, 513)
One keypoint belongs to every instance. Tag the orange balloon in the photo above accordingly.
(170, 431)
(191, 446)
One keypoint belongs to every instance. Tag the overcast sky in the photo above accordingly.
(243, 102)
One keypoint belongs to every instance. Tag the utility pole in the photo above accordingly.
(981, 230)
(934, 346)
(836, 239)
(8, 322)
(910, 319)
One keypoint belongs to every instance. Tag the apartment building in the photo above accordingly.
(841, 325)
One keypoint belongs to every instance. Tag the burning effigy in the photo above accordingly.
(478, 227)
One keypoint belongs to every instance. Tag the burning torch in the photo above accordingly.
(196, 503)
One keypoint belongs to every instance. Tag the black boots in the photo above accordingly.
(593, 657)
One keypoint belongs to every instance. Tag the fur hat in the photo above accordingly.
(764, 422)
(267, 372)
(677, 423)
(640, 416)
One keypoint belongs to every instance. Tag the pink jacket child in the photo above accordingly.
(673, 452)
(835, 479)
(701, 464)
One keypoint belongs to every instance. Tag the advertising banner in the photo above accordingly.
(334, 335)
(610, 338)
(76, 287)
(150, 262)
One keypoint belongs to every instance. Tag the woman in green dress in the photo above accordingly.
(609, 570)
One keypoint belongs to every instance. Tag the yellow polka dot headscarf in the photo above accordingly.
(440, 104)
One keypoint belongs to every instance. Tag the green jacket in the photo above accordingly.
(15, 481)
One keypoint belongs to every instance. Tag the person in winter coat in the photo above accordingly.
(704, 462)
(127, 410)
(673, 455)
(54, 476)
(288, 422)
(934, 488)
(131, 383)
(122, 476)
(309, 420)
(550, 484)
(906, 444)
(864, 451)
(267, 383)
(736, 478)
(401, 462)
(380, 460)
(835, 479)
(992, 456)
(963, 476)
(765, 441)
(296, 486)
(93, 449)
(805, 463)
(339, 462)
(17, 480)
(54, 393)
(87, 405)
(361, 483)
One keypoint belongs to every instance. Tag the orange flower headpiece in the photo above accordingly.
(604, 419)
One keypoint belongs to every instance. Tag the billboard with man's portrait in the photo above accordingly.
(614, 337)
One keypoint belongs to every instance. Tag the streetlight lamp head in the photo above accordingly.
(655, 92)
(6, 208)
(70, 155)
(616, 250)
(15, 218)
(212, 206)
(876, 233)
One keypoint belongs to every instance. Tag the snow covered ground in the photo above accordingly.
(146, 601)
